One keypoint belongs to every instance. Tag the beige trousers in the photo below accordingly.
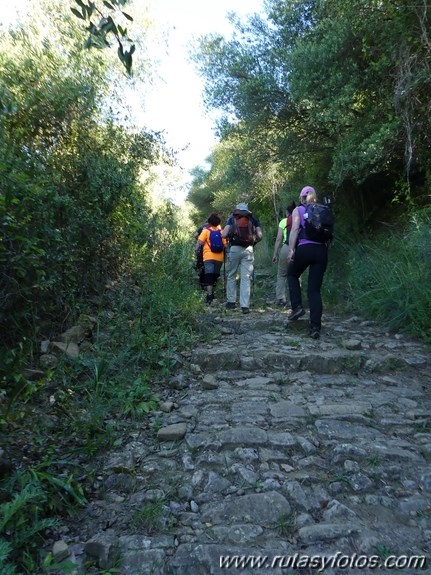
(242, 260)
(281, 287)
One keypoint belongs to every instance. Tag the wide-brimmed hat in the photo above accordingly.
(242, 207)
(307, 190)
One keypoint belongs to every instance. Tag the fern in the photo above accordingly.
(21, 526)
(5, 567)
(27, 534)
(20, 500)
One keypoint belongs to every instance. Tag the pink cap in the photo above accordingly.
(307, 190)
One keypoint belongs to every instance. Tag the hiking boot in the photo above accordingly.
(281, 303)
(245, 310)
(230, 305)
(296, 314)
(314, 333)
(209, 298)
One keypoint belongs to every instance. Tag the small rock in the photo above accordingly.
(227, 330)
(416, 361)
(167, 406)
(104, 548)
(60, 550)
(195, 369)
(351, 466)
(44, 345)
(75, 334)
(172, 432)
(209, 382)
(352, 344)
(70, 349)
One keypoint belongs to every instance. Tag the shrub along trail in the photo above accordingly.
(270, 444)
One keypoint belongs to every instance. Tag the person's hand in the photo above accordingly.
(291, 255)
(274, 259)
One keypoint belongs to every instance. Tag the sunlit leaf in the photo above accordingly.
(127, 16)
(77, 13)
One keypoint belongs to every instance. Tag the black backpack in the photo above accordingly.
(318, 223)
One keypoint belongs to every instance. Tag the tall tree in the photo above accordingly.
(71, 196)
(333, 90)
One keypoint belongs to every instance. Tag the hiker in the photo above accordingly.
(305, 253)
(200, 257)
(212, 246)
(283, 232)
(243, 231)
(199, 230)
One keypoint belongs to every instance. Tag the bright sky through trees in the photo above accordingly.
(173, 103)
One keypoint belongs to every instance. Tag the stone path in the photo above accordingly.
(270, 444)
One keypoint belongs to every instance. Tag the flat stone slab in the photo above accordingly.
(312, 534)
(346, 430)
(262, 509)
(243, 436)
(204, 559)
(281, 439)
(172, 432)
(71, 349)
(335, 409)
(286, 409)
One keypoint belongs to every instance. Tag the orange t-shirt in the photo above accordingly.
(204, 237)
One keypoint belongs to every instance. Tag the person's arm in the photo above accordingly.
(203, 236)
(296, 221)
(277, 244)
(226, 231)
(259, 235)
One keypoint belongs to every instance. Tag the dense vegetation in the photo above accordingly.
(327, 93)
(337, 95)
(85, 243)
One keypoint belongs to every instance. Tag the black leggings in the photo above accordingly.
(315, 257)
(211, 272)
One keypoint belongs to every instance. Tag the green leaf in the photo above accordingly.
(108, 5)
(127, 16)
(89, 10)
(77, 13)
(128, 62)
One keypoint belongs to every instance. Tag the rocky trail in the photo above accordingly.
(269, 446)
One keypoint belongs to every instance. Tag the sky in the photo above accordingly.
(176, 101)
(173, 104)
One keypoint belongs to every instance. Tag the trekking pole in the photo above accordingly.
(252, 283)
(224, 272)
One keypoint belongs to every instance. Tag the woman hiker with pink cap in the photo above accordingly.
(304, 253)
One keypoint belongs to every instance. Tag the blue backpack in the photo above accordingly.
(215, 241)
